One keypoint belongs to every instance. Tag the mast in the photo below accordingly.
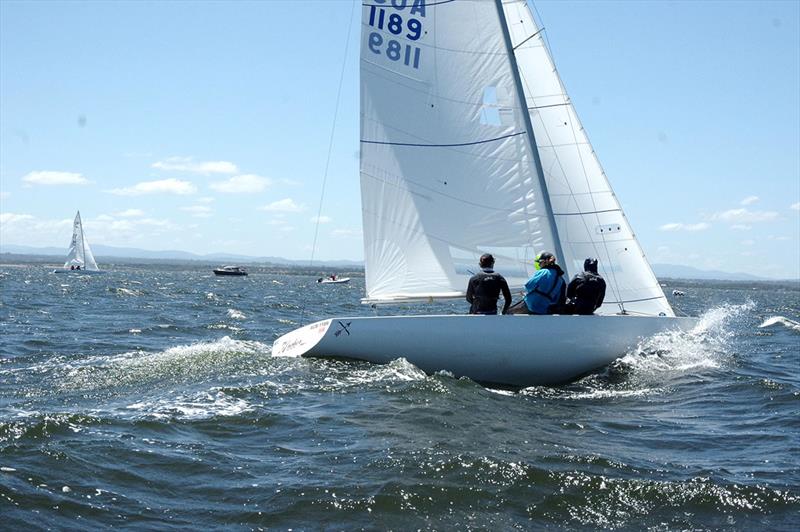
(531, 138)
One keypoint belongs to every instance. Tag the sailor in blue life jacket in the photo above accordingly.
(586, 290)
(546, 288)
(484, 288)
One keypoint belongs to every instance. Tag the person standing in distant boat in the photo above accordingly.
(484, 288)
(586, 290)
(545, 289)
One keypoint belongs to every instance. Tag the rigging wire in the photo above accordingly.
(330, 143)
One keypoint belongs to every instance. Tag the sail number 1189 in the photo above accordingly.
(395, 50)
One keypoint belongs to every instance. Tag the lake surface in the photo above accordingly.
(147, 398)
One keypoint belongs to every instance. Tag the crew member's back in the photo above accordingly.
(484, 289)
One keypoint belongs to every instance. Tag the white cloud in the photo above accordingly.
(795, 206)
(346, 233)
(186, 164)
(119, 228)
(55, 178)
(702, 226)
(164, 186)
(748, 242)
(11, 218)
(206, 199)
(26, 228)
(741, 227)
(5, 195)
(284, 205)
(321, 220)
(749, 200)
(242, 184)
(745, 216)
(198, 211)
(130, 213)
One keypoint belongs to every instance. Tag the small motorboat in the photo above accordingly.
(678, 293)
(230, 270)
(333, 279)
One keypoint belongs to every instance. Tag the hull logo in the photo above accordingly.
(344, 328)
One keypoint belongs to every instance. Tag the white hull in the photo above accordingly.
(514, 350)
(81, 272)
(337, 281)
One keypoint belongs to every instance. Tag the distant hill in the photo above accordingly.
(100, 252)
(676, 271)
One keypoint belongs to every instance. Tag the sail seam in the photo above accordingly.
(587, 212)
(454, 145)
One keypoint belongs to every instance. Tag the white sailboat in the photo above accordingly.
(469, 145)
(79, 257)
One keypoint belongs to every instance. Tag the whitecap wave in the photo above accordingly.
(780, 320)
(125, 292)
(203, 405)
(184, 363)
(235, 314)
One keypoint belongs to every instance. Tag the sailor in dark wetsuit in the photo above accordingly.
(586, 290)
(484, 289)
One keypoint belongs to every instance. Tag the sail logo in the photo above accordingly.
(400, 26)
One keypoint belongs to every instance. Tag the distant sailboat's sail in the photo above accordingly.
(446, 163)
(80, 254)
(589, 218)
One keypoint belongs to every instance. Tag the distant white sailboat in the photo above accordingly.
(470, 145)
(79, 257)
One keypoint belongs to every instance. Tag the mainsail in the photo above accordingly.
(469, 144)
(80, 254)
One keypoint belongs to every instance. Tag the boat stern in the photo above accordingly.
(300, 341)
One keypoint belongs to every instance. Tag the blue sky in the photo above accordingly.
(204, 126)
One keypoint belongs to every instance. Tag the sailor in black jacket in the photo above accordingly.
(484, 289)
(586, 291)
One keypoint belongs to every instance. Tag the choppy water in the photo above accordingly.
(148, 398)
